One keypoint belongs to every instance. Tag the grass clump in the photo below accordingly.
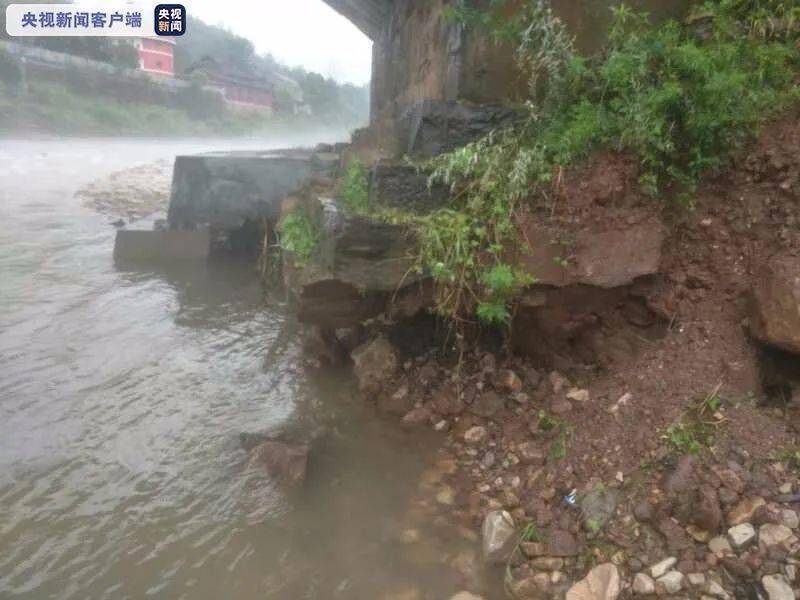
(354, 190)
(790, 456)
(298, 234)
(677, 100)
(696, 428)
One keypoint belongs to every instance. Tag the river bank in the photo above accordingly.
(627, 440)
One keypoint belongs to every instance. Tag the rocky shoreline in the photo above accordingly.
(711, 524)
(637, 433)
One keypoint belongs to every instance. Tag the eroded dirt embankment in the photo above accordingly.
(670, 405)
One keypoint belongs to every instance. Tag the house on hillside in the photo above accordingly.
(246, 91)
(156, 55)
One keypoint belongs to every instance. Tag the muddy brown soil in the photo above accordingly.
(651, 401)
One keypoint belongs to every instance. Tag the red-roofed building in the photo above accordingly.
(156, 55)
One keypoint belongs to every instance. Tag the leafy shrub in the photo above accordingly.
(298, 235)
(354, 191)
(679, 101)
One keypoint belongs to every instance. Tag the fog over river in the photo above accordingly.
(122, 397)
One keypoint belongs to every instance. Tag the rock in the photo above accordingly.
(475, 435)
(417, 416)
(672, 582)
(777, 587)
(508, 381)
(699, 535)
(775, 307)
(578, 395)
(602, 583)
(446, 401)
(773, 535)
(398, 404)
(660, 568)
(643, 585)
(533, 549)
(561, 543)
(720, 546)
(560, 406)
(790, 519)
(737, 567)
(743, 511)
(608, 258)
(534, 378)
(674, 534)
(410, 536)
(741, 535)
(375, 363)
(708, 513)
(284, 462)
(531, 588)
(696, 579)
(715, 590)
(446, 496)
(598, 507)
(499, 536)
(487, 404)
(643, 511)
(530, 453)
(432, 127)
(558, 382)
(405, 187)
(466, 596)
(548, 563)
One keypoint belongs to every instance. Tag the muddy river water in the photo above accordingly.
(122, 397)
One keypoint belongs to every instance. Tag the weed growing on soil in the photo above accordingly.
(299, 235)
(695, 429)
(790, 456)
(678, 100)
(354, 191)
(530, 533)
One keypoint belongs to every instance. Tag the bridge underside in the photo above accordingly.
(370, 16)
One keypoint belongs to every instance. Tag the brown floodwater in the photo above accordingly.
(122, 397)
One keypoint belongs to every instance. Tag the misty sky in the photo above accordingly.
(307, 33)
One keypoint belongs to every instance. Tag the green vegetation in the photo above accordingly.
(340, 104)
(790, 456)
(697, 426)
(63, 109)
(299, 235)
(678, 98)
(354, 191)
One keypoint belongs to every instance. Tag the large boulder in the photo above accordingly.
(606, 257)
(375, 363)
(775, 314)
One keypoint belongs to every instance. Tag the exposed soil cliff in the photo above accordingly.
(652, 374)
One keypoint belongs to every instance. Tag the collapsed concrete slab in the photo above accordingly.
(356, 268)
(226, 189)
